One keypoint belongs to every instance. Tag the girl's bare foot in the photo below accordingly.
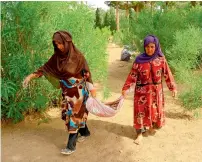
(138, 139)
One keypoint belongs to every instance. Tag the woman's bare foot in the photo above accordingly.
(152, 131)
(138, 139)
(145, 134)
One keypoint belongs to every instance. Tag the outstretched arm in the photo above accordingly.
(36, 74)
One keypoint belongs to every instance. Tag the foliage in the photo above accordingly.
(27, 28)
(126, 5)
(192, 97)
(118, 38)
(109, 20)
(186, 48)
(98, 19)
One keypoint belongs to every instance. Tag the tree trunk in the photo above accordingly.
(117, 16)
(136, 8)
(127, 12)
(127, 9)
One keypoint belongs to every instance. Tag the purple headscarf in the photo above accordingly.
(142, 58)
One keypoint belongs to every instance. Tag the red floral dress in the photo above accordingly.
(148, 96)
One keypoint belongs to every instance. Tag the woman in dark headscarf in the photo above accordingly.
(67, 69)
(146, 76)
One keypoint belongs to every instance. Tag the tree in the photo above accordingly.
(98, 20)
(109, 19)
(125, 5)
(117, 16)
(106, 20)
(116, 5)
(112, 19)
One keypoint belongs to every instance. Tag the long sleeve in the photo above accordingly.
(132, 77)
(38, 72)
(53, 80)
(169, 77)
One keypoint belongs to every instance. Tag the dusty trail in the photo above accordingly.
(112, 139)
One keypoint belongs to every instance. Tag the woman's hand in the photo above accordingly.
(86, 75)
(28, 79)
(174, 93)
(93, 93)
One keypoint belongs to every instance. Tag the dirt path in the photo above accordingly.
(112, 139)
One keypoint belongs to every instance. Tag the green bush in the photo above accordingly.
(118, 38)
(27, 29)
(163, 24)
(183, 56)
(186, 47)
(192, 97)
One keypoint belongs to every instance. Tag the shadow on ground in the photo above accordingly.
(32, 142)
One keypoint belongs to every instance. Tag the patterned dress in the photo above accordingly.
(75, 92)
(148, 96)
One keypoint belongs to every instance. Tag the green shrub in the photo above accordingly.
(192, 97)
(163, 24)
(186, 47)
(118, 38)
(27, 29)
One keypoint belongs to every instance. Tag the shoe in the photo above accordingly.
(82, 138)
(67, 151)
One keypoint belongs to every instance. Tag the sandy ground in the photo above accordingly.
(112, 139)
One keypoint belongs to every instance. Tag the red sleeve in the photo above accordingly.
(132, 77)
(168, 77)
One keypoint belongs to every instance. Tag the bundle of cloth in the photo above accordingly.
(98, 108)
(108, 109)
